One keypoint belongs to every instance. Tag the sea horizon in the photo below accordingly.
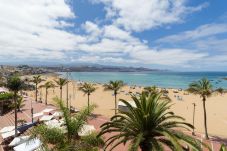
(163, 79)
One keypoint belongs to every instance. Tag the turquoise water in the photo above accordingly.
(160, 79)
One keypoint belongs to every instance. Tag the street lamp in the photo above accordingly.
(193, 132)
(31, 110)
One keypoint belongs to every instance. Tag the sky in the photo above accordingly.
(187, 35)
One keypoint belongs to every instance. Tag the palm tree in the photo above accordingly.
(67, 139)
(15, 84)
(203, 88)
(19, 104)
(61, 82)
(2, 80)
(223, 148)
(36, 80)
(114, 86)
(148, 126)
(151, 89)
(47, 85)
(87, 88)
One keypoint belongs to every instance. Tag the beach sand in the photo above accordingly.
(216, 105)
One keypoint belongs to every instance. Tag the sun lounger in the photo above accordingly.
(53, 123)
(86, 130)
(47, 110)
(57, 114)
(19, 140)
(9, 134)
(7, 129)
(30, 145)
(46, 117)
(38, 114)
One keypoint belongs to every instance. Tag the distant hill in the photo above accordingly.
(79, 67)
(98, 68)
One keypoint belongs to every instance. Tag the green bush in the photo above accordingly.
(93, 140)
(223, 148)
(6, 96)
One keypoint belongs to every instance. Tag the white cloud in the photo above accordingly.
(212, 44)
(34, 29)
(199, 32)
(167, 56)
(98, 59)
(139, 15)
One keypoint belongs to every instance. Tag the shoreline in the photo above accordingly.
(171, 80)
(216, 105)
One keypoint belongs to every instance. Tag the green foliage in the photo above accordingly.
(114, 86)
(37, 79)
(204, 89)
(61, 82)
(149, 126)
(87, 88)
(19, 103)
(14, 83)
(68, 140)
(6, 96)
(223, 148)
(47, 85)
(47, 135)
(93, 139)
(151, 89)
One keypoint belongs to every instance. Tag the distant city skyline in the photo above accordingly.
(187, 35)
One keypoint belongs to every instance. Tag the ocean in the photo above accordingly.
(164, 79)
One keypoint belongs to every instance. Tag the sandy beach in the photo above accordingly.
(216, 105)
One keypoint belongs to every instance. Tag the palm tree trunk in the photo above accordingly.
(115, 95)
(15, 112)
(36, 92)
(61, 93)
(46, 96)
(145, 146)
(205, 118)
(88, 101)
(2, 107)
(67, 95)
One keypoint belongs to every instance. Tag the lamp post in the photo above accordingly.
(67, 90)
(31, 111)
(193, 132)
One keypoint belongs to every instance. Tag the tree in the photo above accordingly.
(151, 89)
(68, 139)
(19, 104)
(148, 126)
(223, 148)
(61, 82)
(204, 89)
(4, 97)
(47, 85)
(15, 84)
(87, 88)
(36, 80)
(114, 86)
(2, 80)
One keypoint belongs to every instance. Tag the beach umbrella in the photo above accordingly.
(7, 129)
(86, 130)
(19, 140)
(30, 145)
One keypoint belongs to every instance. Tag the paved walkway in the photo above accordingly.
(24, 114)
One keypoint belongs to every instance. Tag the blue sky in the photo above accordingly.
(169, 34)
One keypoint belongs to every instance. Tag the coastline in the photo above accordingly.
(216, 105)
